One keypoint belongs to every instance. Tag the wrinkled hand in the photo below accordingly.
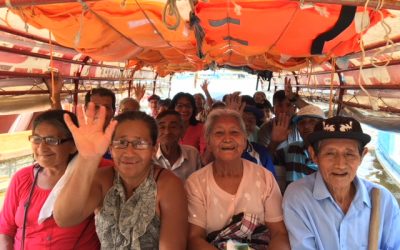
(234, 101)
(204, 86)
(288, 88)
(139, 90)
(280, 128)
(90, 139)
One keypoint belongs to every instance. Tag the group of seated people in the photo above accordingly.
(183, 179)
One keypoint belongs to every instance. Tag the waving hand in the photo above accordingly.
(90, 138)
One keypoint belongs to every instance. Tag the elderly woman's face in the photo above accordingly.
(338, 161)
(51, 156)
(227, 140)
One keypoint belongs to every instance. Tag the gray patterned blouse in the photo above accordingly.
(130, 224)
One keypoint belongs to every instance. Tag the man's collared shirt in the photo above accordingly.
(315, 221)
(188, 162)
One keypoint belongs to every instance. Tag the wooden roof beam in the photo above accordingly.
(10, 74)
(30, 36)
(25, 3)
(387, 4)
(38, 55)
(366, 66)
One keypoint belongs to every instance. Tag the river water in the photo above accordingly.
(372, 170)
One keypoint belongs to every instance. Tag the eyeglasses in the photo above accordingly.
(35, 139)
(136, 144)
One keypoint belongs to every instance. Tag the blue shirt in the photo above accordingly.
(259, 155)
(315, 221)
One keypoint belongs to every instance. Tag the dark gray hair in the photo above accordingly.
(55, 117)
(216, 114)
(139, 116)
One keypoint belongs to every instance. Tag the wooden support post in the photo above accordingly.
(155, 83)
(258, 80)
(130, 82)
(341, 93)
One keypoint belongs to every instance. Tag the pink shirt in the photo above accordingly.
(211, 208)
(194, 136)
(40, 236)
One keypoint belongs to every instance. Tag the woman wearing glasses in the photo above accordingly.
(193, 135)
(139, 205)
(53, 147)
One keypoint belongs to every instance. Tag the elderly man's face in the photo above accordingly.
(338, 161)
(153, 104)
(306, 126)
(170, 129)
(105, 101)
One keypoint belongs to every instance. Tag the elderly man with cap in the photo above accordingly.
(295, 158)
(333, 208)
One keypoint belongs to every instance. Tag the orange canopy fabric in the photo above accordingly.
(263, 35)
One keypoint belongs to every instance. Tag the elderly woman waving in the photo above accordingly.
(232, 194)
(135, 207)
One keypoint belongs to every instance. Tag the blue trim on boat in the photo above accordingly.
(388, 144)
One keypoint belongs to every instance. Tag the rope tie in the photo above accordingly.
(53, 83)
(373, 102)
(85, 8)
(198, 32)
(330, 114)
(389, 43)
(172, 10)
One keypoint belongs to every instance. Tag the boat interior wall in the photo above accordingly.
(214, 32)
(23, 104)
(6, 122)
(378, 120)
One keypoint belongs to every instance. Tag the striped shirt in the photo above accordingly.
(297, 161)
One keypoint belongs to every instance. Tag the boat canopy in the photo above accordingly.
(173, 36)
(337, 51)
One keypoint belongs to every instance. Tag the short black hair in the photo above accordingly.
(265, 105)
(139, 116)
(164, 102)
(248, 100)
(153, 97)
(101, 92)
(278, 97)
(55, 117)
(180, 95)
(168, 112)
